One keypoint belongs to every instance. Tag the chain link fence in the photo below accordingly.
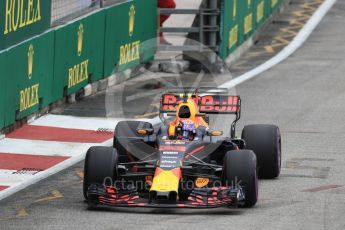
(67, 10)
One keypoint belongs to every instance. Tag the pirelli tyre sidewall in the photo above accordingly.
(265, 141)
(239, 170)
(100, 167)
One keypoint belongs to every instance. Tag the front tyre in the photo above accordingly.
(239, 169)
(100, 167)
(265, 141)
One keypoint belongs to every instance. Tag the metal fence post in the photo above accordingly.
(213, 34)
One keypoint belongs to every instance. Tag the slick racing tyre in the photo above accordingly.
(239, 169)
(265, 141)
(100, 167)
(125, 130)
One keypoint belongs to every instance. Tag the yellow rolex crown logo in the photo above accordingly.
(31, 53)
(131, 20)
(80, 38)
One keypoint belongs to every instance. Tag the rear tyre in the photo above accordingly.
(100, 167)
(265, 141)
(125, 130)
(239, 169)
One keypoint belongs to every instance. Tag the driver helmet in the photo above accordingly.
(185, 130)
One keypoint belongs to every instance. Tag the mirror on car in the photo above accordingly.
(215, 133)
(145, 132)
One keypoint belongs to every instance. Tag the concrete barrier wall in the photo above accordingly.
(59, 62)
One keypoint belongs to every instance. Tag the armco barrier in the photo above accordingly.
(29, 76)
(240, 19)
(22, 19)
(79, 50)
(2, 87)
(128, 26)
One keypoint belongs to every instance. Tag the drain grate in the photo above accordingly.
(28, 171)
(104, 131)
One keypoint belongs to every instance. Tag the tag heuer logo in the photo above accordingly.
(80, 38)
(131, 20)
(30, 60)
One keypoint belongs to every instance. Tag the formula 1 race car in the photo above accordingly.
(184, 164)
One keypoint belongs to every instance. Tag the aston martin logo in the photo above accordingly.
(31, 53)
(80, 38)
(131, 20)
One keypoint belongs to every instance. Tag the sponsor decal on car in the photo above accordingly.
(201, 182)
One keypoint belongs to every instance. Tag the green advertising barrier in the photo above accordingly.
(261, 12)
(248, 18)
(29, 77)
(79, 51)
(232, 27)
(128, 26)
(274, 4)
(22, 19)
(240, 19)
(3, 75)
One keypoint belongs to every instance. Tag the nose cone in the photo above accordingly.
(165, 185)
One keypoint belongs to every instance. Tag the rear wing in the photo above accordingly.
(209, 104)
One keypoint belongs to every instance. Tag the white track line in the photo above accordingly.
(77, 154)
(44, 148)
(286, 52)
(47, 173)
(71, 122)
(8, 178)
(42, 175)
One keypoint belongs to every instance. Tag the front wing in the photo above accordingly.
(199, 198)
